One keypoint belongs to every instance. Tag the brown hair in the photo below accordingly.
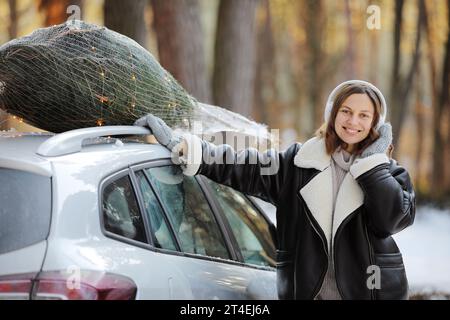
(327, 129)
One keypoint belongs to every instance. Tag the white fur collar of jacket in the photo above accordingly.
(313, 154)
(318, 192)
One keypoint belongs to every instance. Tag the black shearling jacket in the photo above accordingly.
(375, 200)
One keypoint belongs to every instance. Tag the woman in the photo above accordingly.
(339, 197)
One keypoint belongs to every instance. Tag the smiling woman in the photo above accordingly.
(353, 115)
(354, 119)
(339, 198)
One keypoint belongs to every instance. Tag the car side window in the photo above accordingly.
(121, 213)
(189, 212)
(162, 237)
(249, 227)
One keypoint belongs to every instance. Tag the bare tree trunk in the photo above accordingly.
(401, 86)
(420, 122)
(180, 44)
(12, 31)
(56, 10)
(265, 80)
(314, 21)
(438, 175)
(234, 68)
(350, 58)
(395, 86)
(127, 18)
(444, 98)
(13, 19)
(398, 21)
(374, 71)
(374, 48)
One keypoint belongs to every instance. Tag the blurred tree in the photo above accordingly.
(419, 111)
(444, 97)
(265, 91)
(234, 67)
(284, 83)
(13, 19)
(180, 44)
(401, 85)
(440, 104)
(438, 175)
(350, 57)
(374, 48)
(3, 120)
(12, 32)
(127, 18)
(314, 18)
(56, 10)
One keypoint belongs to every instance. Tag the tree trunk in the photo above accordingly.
(444, 98)
(12, 31)
(13, 19)
(56, 10)
(127, 18)
(374, 49)
(350, 58)
(398, 21)
(180, 44)
(234, 68)
(264, 98)
(420, 122)
(395, 85)
(401, 86)
(438, 175)
(314, 21)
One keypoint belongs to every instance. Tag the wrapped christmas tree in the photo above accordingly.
(76, 75)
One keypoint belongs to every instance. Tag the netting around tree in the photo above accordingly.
(80, 75)
(77, 75)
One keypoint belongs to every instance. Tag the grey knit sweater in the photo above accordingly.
(340, 165)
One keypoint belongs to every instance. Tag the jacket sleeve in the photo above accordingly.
(258, 174)
(389, 198)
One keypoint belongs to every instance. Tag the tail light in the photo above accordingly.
(16, 287)
(60, 285)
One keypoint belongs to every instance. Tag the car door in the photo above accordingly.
(252, 234)
(130, 249)
(196, 242)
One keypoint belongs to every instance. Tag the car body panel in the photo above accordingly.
(76, 240)
(18, 152)
(25, 260)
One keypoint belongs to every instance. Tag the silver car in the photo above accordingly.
(95, 214)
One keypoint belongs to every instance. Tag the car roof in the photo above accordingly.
(20, 151)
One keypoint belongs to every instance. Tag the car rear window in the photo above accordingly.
(121, 213)
(25, 209)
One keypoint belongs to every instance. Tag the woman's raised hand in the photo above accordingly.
(381, 145)
(160, 130)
